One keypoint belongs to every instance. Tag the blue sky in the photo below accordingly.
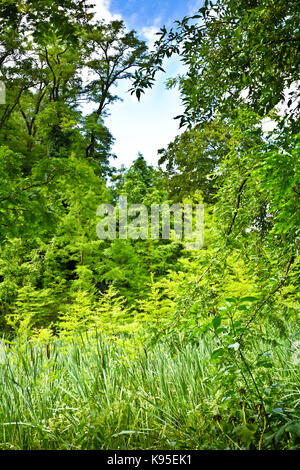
(148, 125)
(142, 13)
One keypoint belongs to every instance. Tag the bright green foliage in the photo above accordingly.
(77, 315)
(106, 313)
(111, 316)
(32, 308)
(159, 305)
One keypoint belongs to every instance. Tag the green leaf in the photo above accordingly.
(293, 428)
(232, 300)
(217, 353)
(216, 322)
(249, 299)
(266, 364)
(246, 432)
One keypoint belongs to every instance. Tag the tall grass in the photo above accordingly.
(91, 393)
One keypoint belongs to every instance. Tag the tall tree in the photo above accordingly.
(234, 51)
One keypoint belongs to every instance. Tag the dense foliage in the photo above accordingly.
(162, 347)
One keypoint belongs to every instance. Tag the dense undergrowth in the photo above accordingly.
(93, 392)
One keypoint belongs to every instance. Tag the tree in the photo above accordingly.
(234, 51)
(43, 71)
(55, 157)
(192, 160)
(111, 54)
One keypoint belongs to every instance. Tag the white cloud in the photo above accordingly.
(102, 11)
(268, 125)
(149, 32)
